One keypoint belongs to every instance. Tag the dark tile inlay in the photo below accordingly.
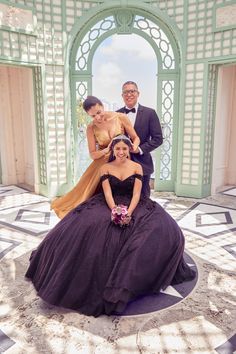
(218, 222)
(8, 249)
(20, 216)
(5, 342)
(229, 248)
(215, 234)
(5, 191)
(227, 190)
(228, 347)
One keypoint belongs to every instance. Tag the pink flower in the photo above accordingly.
(113, 211)
(119, 215)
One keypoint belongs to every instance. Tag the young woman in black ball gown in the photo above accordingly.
(92, 265)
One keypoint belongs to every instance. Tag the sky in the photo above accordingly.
(120, 58)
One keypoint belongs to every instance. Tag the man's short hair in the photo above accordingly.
(130, 83)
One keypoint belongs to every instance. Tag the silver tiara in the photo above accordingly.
(121, 137)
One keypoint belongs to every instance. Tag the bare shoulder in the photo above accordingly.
(137, 167)
(90, 127)
(110, 116)
(124, 119)
(104, 169)
(122, 116)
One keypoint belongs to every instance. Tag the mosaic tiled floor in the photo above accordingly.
(209, 220)
(195, 317)
(231, 191)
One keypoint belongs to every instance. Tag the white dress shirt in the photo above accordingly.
(132, 118)
(132, 115)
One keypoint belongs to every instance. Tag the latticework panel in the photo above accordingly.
(42, 155)
(82, 158)
(209, 124)
(89, 40)
(160, 38)
(202, 41)
(18, 46)
(30, 3)
(173, 8)
(74, 9)
(57, 154)
(140, 23)
(167, 108)
(81, 89)
(50, 31)
(192, 123)
(45, 46)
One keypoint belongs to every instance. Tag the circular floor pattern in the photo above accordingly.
(171, 296)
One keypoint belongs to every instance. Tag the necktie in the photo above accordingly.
(133, 110)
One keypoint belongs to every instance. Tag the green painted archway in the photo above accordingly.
(165, 40)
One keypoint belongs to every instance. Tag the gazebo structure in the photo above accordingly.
(47, 48)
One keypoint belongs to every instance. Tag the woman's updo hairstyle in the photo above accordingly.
(91, 101)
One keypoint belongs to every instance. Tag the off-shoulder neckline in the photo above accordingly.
(122, 180)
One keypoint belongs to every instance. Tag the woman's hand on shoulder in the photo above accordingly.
(106, 151)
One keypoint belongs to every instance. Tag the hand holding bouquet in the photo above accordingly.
(119, 215)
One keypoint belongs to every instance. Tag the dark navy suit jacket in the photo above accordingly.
(148, 128)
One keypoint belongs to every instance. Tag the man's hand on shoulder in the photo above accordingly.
(137, 151)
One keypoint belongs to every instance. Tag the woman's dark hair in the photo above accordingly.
(117, 139)
(91, 101)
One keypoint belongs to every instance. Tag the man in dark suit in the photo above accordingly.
(148, 128)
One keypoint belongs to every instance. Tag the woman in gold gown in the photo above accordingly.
(100, 132)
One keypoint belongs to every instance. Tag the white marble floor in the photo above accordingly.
(196, 318)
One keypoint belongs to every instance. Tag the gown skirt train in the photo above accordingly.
(83, 190)
(87, 263)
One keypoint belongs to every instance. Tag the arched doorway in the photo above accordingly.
(158, 34)
(118, 58)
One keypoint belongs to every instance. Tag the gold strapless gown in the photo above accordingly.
(89, 181)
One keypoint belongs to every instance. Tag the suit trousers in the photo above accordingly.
(146, 190)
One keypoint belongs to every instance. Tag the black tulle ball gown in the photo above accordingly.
(87, 263)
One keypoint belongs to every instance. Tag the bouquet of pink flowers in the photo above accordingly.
(119, 215)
